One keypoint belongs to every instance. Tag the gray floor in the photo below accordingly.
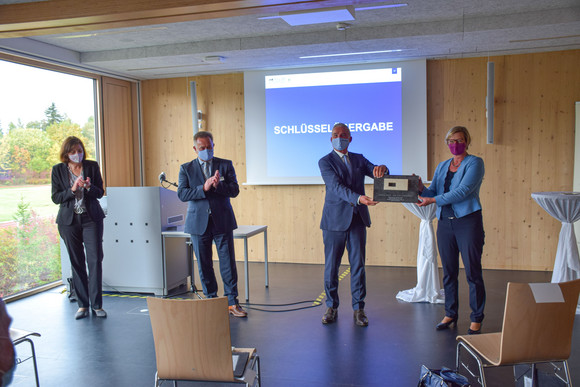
(295, 348)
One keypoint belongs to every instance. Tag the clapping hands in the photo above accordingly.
(81, 183)
(212, 182)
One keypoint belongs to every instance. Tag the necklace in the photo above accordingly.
(71, 169)
(455, 165)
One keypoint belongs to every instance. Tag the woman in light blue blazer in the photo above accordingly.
(455, 190)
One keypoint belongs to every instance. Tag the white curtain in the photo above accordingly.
(427, 289)
(564, 206)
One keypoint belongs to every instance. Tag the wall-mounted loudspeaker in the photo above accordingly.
(196, 118)
(489, 101)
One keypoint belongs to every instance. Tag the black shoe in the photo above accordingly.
(360, 318)
(474, 332)
(100, 313)
(445, 325)
(81, 313)
(330, 316)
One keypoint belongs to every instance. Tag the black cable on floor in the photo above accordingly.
(290, 303)
(247, 305)
(281, 310)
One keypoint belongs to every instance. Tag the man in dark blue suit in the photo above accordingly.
(207, 184)
(345, 217)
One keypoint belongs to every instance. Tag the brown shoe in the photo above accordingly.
(237, 311)
(360, 318)
(330, 316)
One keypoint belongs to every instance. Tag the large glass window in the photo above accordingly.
(39, 108)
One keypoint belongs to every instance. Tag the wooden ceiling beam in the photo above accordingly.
(63, 16)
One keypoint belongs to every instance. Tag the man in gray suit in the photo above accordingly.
(207, 184)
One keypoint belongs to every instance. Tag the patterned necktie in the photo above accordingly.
(206, 170)
(345, 159)
(347, 163)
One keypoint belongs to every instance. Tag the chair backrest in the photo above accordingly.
(192, 339)
(537, 331)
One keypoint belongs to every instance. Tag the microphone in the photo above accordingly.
(162, 177)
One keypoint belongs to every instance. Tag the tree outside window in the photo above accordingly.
(33, 125)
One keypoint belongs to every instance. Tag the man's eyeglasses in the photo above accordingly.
(459, 141)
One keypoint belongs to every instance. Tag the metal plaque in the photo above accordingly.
(396, 188)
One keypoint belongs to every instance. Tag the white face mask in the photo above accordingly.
(76, 158)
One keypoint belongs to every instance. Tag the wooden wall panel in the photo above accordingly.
(533, 150)
(118, 135)
(166, 128)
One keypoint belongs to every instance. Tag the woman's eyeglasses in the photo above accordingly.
(459, 141)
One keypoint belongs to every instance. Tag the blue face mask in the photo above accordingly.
(206, 154)
(340, 143)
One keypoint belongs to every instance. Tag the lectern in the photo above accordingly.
(134, 258)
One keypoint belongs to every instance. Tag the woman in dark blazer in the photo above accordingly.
(7, 361)
(76, 186)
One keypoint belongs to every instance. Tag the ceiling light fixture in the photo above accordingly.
(185, 66)
(318, 16)
(350, 53)
(550, 38)
(214, 59)
(114, 32)
(356, 10)
(381, 7)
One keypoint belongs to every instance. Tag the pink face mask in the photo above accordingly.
(457, 148)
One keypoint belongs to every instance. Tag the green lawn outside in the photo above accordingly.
(37, 195)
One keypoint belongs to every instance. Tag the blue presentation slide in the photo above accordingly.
(300, 115)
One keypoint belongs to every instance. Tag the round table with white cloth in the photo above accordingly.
(427, 289)
(564, 206)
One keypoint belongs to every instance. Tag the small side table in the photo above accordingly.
(245, 232)
(242, 232)
(564, 206)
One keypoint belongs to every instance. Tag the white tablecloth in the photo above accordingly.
(564, 206)
(427, 289)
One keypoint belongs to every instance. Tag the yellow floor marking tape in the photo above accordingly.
(316, 302)
(319, 299)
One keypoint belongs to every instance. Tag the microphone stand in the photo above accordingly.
(169, 183)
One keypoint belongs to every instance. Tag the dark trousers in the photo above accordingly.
(85, 235)
(334, 243)
(224, 243)
(466, 236)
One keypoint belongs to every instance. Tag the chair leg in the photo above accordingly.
(518, 377)
(258, 371)
(481, 377)
(567, 372)
(33, 360)
(534, 375)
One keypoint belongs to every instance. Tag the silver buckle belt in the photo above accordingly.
(79, 210)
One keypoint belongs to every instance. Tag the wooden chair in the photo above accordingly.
(192, 342)
(532, 332)
(19, 336)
